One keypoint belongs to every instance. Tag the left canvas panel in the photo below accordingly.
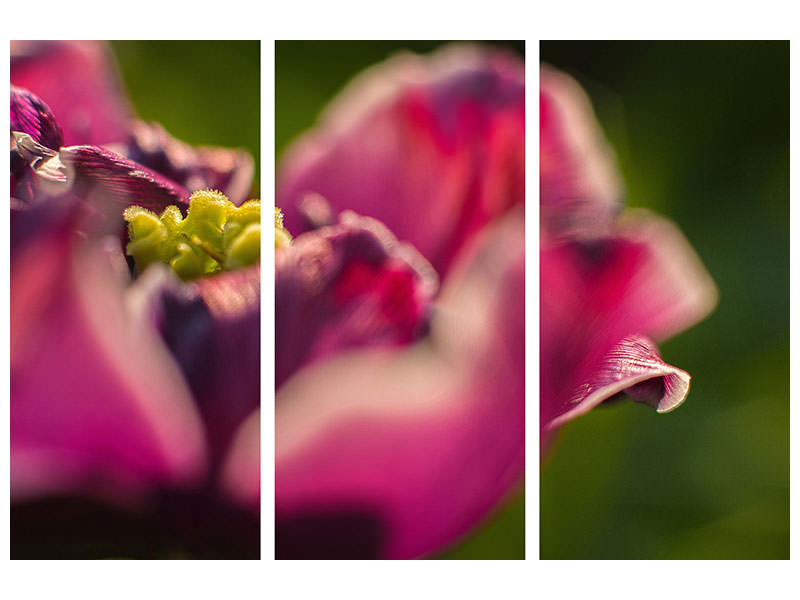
(135, 299)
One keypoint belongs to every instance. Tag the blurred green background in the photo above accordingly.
(701, 130)
(203, 92)
(307, 76)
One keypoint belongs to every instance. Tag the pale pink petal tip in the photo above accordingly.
(674, 274)
(635, 368)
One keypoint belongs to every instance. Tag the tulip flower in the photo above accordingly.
(612, 283)
(399, 309)
(134, 325)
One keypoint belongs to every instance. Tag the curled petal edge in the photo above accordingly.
(635, 368)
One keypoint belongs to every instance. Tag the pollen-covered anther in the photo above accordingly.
(215, 235)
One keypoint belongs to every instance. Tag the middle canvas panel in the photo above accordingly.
(399, 300)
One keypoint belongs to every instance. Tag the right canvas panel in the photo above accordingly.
(664, 267)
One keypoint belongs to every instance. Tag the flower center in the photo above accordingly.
(215, 236)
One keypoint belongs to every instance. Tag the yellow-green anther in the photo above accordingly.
(246, 248)
(190, 262)
(249, 212)
(216, 235)
(148, 236)
(282, 237)
(172, 218)
(208, 211)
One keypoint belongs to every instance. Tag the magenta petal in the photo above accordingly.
(104, 183)
(395, 453)
(346, 286)
(644, 280)
(673, 290)
(97, 404)
(112, 182)
(432, 146)
(105, 180)
(32, 116)
(226, 170)
(79, 82)
(212, 328)
(241, 473)
(580, 190)
(635, 368)
(230, 388)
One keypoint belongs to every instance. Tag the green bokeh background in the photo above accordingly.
(203, 92)
(307, 76)
(701, 130)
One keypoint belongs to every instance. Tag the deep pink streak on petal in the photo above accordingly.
(428, 439)
(97, 404)
(390, 286)
(346, 286)
(431, 146)
(80, 83)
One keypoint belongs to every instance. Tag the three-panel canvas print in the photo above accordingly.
(425, 325)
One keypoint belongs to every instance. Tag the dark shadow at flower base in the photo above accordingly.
(178, 527)
(329, 534)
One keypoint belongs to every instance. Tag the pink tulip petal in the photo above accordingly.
(580, 190)
(211, 327)
(645, 280)
(112, 182)
(635, 368)
(97, 404)
(395, 453)
(431, 146)
(229, 171)
(79, 82)
(241, 474)
(346, 286)
(105, 182)
(29, 114)
(673, 291)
